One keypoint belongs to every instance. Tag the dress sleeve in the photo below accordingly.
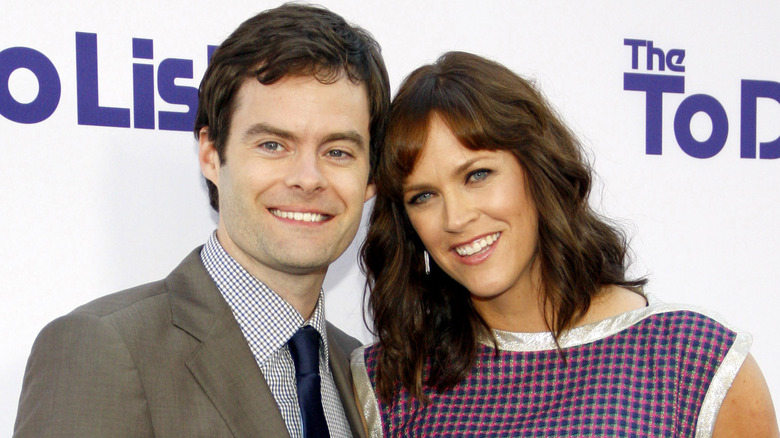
(721, 382)
(366, 396)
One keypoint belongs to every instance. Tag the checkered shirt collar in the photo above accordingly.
(267, 320)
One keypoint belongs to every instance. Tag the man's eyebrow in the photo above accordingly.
(259, 129)
(350, 136)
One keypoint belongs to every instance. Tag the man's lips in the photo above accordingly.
(299, 215)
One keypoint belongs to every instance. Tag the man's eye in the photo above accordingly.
(271, 146)
(338, 153)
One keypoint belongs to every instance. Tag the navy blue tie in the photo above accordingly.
(305, 351)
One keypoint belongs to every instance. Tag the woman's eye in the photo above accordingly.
(478, 175)
(419, 199)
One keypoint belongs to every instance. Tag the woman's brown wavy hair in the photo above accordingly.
(427, 320)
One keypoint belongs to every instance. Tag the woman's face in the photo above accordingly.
(474, 214)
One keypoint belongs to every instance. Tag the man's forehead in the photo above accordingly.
(300, 104)
(302, 79)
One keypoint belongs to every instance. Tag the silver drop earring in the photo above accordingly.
(427, 262)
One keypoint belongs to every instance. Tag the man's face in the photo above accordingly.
(295, 174)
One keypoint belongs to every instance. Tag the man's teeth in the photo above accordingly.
(477, 245)
(298, 216)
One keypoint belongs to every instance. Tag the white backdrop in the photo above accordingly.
(87, 210)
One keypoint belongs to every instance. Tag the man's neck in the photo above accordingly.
(301, 290)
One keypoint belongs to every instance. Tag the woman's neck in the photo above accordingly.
(526, 312)
(518, 309)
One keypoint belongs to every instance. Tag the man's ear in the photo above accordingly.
(208, 157)
(370, 191)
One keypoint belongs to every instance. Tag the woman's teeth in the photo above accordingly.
(477, 245)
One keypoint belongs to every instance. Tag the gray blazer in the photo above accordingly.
(164, 359)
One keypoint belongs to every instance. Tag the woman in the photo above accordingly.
(500, 298)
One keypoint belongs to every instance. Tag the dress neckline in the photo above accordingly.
(585, 334)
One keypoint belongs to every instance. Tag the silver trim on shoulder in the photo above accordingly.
(364, 391)
(541, 341)
(721, 382)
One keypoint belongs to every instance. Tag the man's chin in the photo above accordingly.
(306, 267)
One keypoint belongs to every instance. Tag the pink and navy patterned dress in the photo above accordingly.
(659, 371)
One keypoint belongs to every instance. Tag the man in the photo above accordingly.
(291, 111)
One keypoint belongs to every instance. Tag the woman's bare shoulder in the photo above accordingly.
(747, 409)
(612, 301)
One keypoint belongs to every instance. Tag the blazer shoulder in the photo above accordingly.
(102, 362)
(345, 342)
(80, 368)
(117, 301)
(142, 296)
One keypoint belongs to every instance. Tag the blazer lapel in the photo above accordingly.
(229, 375)
(223, 364)
(342, 377)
